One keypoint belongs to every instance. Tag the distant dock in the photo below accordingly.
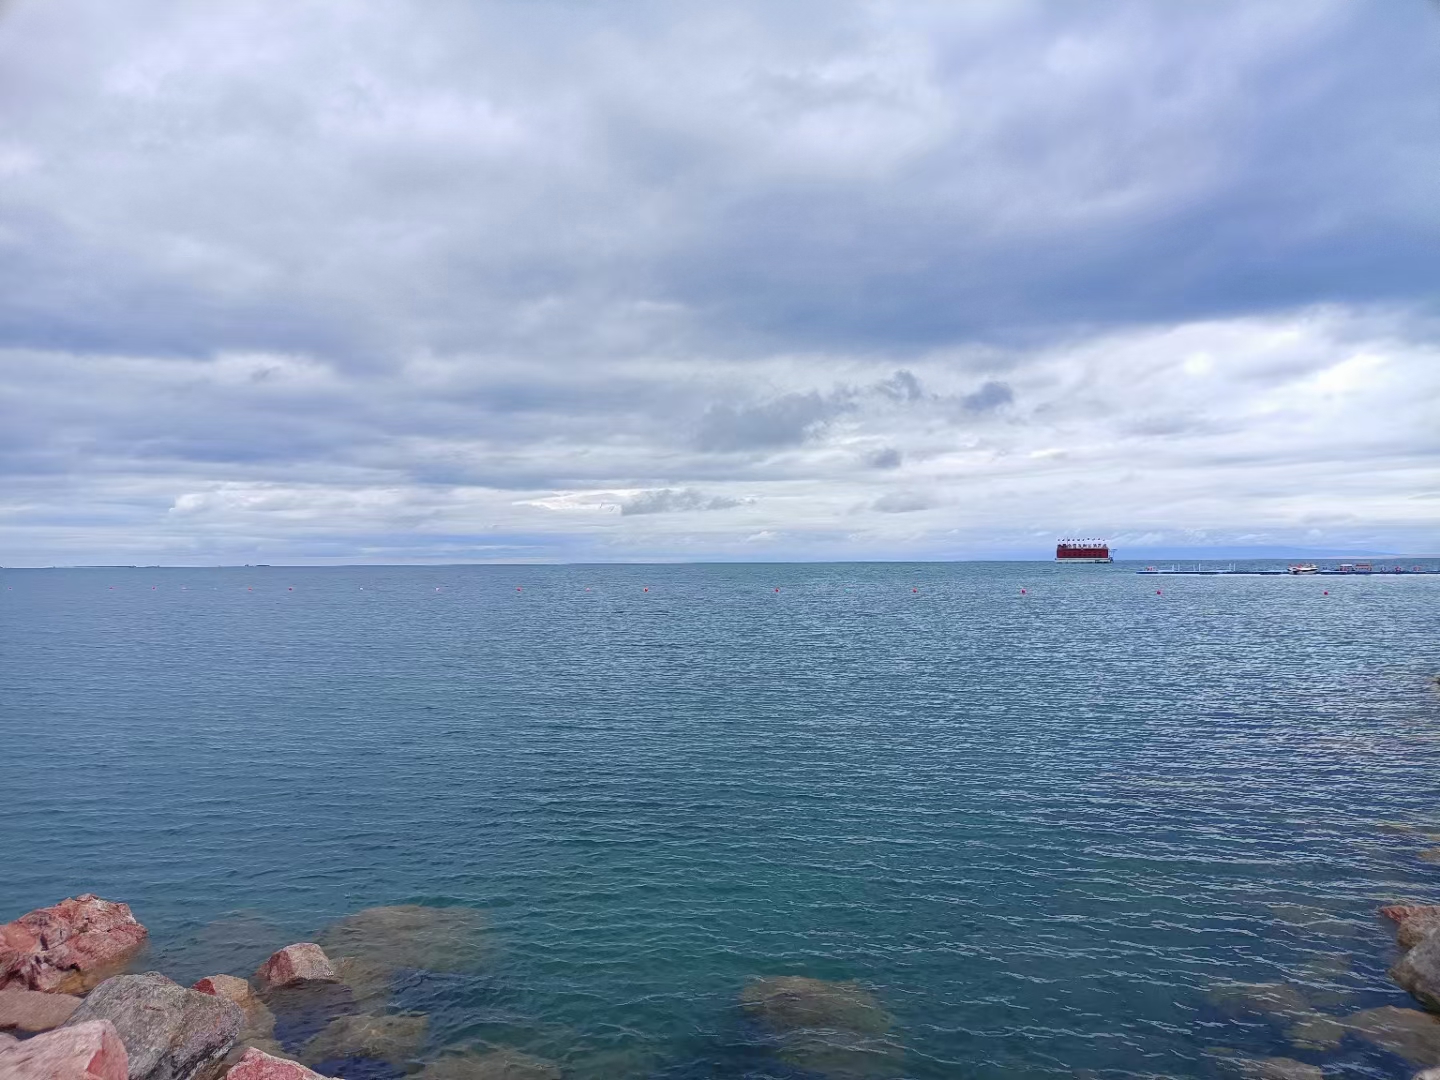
(1336, 571)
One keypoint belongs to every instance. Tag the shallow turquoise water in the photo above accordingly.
(1040, 827)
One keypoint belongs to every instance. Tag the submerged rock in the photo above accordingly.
(88, 1051)
(834, 1028)
(259, 1065)
(34, 1010)
(1317, 1032)
(296, 965)
(386, 939)
(170, 1033)
(389, 1037)
(1267, 999)
(1407, 1033)
(1418, 971)
(1280, 1068)
(70, 947)
(791, 1002)
(501, 1064)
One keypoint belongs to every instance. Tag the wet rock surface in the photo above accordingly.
(70, 947)
(500, 1064)
(1413, 922)
(34, 1010)
(1418, 971)
(88, 1051)
(296, 965)
(389, 1037)
(169, 1032)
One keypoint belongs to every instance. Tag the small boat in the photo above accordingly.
(1303, 568)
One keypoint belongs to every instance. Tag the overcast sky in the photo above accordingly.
(550, 279)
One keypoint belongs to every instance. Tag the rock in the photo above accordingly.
(841, 1055)
(1317, 1032)
(832, 1028)
(389, 1037)
(368, 982)
(411, 936)
(1413, 922)
(33, 1010)
(258, 1065)
(1267, 999)
(501, 1064)
(791, 1002)
(7, 1040)
(171, 1033)
(89, 1051)
(1408, 1033)
(70, 947)
(295, 965)
(1428, 1074)
(259, 1021)
(1419, 971)
(1280, 1068)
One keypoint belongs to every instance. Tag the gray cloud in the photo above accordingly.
(784, 421)
(885, 458)
(670, 501)
(430, 283)
(991, 395)
(903, 502)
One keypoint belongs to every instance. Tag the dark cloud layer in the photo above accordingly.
(453, 280)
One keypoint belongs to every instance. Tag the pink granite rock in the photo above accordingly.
(296, 965)
(68, 948)
(258, 1065)
(31, 1010)
(90, 1051)
(1413, 922)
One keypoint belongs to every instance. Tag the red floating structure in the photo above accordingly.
(1087, 551)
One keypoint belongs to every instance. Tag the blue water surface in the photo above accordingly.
(1041, 812)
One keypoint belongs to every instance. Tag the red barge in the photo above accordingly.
(1086, 551)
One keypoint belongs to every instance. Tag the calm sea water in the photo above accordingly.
(1040, 826)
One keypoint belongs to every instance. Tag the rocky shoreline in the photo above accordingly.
(70, 1009)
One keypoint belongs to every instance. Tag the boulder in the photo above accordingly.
(171, 1033)
(296, 965)
(69, 948)
(259, 1021)
(89, 1051)
(399, 936)
(7, 1040)
(388, 1037)
(258, 1065)
(1413, 922)
(33, 1010)
(1407, 1033)
(501, 1064)
(1419, 971)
